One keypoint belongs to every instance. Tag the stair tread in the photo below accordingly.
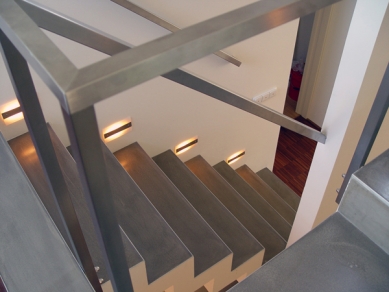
(255, 224)
(129, 203)
(285, 192)
(254, 199)
(267, 193)
(318, 259)
(24, 150)
(206, 247)
(146, 228)
(231, 231)
(34, 256)
(375, 174)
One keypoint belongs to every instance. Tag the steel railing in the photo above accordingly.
(78, 90)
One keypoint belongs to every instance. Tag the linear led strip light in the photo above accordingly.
(117, 130)
(235, 157)
(11, 112)
(186, 145)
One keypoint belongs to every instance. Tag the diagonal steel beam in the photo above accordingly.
(39, 51)
(170, 27)
(90, 37)
(67, 222)
(122, 71)
(228, 97)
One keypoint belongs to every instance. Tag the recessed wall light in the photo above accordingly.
(235, 157)
(12, 112)
(186, 145)
(116, 130)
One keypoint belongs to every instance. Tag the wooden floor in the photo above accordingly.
(294, 153)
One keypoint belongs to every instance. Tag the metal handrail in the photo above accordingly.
(88, 36)
(167, 25)
(79, 89)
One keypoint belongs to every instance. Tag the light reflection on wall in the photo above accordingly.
(115, 126)
(235, 157)
(180, 148)
(10, 106)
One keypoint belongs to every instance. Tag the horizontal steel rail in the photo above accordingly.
(90, 37)
(170, 27)
(55, 69)
(125, 70)
(78, 90)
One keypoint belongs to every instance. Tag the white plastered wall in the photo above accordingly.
(164, 113)
(370, 85)
(363, 61)
(329, 34)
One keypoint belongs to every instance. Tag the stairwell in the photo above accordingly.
(183, 226)
(180, 231)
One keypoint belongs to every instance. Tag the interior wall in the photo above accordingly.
(316, 90)
(375, 71)
(164, 113)
(348, 92)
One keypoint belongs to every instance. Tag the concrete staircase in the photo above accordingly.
(347, 252)
(185, 227)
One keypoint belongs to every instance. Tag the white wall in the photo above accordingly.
(357, 80)
(164, 113)
(323, 61)
(366, 96)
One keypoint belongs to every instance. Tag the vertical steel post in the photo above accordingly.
(25, 91)
(87, 151)
(370, 131)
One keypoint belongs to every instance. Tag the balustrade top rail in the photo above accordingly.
(88, 36)
(79, 89)
(170, 27)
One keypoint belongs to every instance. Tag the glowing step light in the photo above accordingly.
(235, 157)
(12, 112)
(186, 145)
(116, 130)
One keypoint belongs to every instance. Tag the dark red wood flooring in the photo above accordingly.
(294, 157)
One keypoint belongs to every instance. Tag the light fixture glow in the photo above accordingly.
(11, 112)
(235, 157)
(186, 145)
(117, 130)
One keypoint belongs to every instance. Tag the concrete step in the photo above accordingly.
(239, 207)
(335, 256)
(208, 249)
(160, 250)
(243, 245)
(285, 192)
(168, 262)
(366, 200)
(33, 254)
(254, 199)
(267, 193)
(347, 252)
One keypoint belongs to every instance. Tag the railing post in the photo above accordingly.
(87, 151)
(370, 131)
(25, 91)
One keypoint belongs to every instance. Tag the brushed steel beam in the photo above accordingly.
(88, 153)
(25, 91)
(125, 70)
(170, 27)
(39, 51)
(228, 97)
(72, 29)
(100, 41)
